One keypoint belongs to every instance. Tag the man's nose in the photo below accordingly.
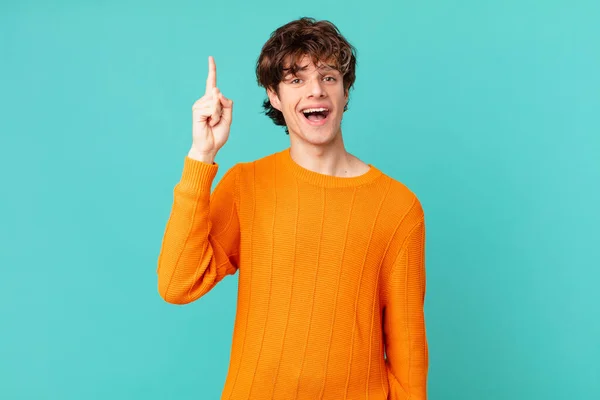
(315, 88)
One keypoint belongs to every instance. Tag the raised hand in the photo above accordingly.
(211, 119)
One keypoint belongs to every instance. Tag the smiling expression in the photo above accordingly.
(312, 101)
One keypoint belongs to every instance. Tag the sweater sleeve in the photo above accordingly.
(201, 240)
(404, 322)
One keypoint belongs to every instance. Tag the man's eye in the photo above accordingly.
(295, 80)
(330, 78)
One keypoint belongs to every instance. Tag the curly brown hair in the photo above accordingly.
(319, 40)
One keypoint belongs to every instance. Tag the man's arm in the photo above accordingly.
(404, 322)
(201, 241)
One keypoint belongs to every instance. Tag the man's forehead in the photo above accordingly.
(306, 63)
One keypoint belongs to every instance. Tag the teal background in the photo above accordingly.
(488, 110)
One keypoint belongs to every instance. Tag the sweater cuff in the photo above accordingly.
(198, 176)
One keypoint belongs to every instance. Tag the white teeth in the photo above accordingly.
(307, 110)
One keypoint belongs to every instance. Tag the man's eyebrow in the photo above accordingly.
(327, 67)
(293, 71)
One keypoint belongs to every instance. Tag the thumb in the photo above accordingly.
(227, 106)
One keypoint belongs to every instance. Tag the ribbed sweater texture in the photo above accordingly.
(331, 285)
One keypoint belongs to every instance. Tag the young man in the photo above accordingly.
(330, 250)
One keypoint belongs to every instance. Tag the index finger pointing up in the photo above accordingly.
(211, 81)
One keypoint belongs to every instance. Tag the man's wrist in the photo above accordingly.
(208, 158)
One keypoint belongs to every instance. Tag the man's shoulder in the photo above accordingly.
(401, 199)
(398, 188)
(264, 163)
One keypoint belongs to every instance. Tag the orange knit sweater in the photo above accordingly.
(331, 277)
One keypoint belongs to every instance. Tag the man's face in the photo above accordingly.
(312, 102)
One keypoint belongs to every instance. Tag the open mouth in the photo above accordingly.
(316, 115)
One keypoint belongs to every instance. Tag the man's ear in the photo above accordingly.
(274, 99)
(345, 100)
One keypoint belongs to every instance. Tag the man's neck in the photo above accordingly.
(328, 159)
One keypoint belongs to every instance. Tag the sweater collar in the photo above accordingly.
(318, 179)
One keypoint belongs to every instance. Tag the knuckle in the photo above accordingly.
(202, 102)
(199, 102)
